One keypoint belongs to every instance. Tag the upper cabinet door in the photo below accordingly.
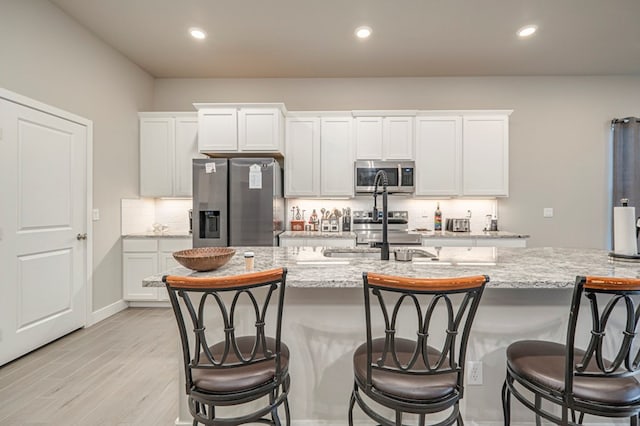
(438, 154)
(156, 156)
(369, 138)
(260, 129)
(384, 138)
(336, 157)
(398, 138)
(485, 156)
(218, 129)
(302, 164)
(186, 149)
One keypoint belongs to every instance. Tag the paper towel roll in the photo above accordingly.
(624, 231)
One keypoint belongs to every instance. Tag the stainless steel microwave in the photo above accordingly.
(400, 175)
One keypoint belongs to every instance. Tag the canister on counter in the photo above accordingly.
(248, 261)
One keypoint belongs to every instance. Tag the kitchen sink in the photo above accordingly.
(353, 253)
(372, 253)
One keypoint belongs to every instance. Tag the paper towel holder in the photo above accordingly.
(627, 257)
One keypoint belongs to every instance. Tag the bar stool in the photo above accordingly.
(412, 374)
(583, 381)
(241, 367)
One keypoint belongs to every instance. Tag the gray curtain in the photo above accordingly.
(625, 134)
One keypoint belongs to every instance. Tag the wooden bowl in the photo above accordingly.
(204, 258)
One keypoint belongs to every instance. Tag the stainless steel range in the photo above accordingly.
(369, 229)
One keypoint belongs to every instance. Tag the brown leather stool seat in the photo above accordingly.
(401, 385)
(600, 378)
(419, 369)
(243, 377)
(543, 363)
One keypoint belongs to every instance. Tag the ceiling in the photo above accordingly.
(411, 38)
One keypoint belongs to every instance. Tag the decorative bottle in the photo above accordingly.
(437, 219)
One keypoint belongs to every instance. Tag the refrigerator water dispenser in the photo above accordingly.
(210, 224)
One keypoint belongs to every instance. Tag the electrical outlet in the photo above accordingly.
(547, 212)
(474, 372)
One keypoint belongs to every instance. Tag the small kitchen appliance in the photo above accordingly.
(400, 175)
(457, 225)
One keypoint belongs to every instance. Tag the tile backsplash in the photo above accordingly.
(421, 211)
(139, 215)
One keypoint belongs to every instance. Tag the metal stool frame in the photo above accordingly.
(617, 293)
(451, 358)
(202, 403)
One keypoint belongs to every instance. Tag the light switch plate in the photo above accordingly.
(547, 212)
(96, 214)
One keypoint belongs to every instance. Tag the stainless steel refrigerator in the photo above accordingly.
(237, 202)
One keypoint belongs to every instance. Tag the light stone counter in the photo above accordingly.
(472, 234)
(506, 267)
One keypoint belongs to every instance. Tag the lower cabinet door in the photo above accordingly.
(292, 242)
(448, 242)
(166, 262)
(136, 267)
(501, 242)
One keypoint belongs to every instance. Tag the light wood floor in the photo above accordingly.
(121, 371)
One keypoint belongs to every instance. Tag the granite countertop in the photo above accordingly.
(472, 234)
(506, 267)
(317, 234)
(158, 235)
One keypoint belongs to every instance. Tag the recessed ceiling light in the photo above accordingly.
(527, 31)
(363, 32)
(197, 33)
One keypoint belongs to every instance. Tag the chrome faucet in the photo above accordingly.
(384, 246)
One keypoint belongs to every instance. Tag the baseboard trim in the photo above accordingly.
(149, 304)
(106, 312)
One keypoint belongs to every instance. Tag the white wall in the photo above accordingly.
(559, 133)
(49, 57)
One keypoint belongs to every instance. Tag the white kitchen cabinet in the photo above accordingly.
(485, 155)
(368, 138)
(168, 143)
(474, 242)
(448, 242)
(462, 155)
(438, 156)
(302, 157)
(144, 257)
(320, 241)
(384, 138)
(236, 128)
(139, 260)
(501, 242)
(260, 130)
(336, 157)
(218, 129)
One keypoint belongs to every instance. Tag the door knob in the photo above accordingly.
(81, 236)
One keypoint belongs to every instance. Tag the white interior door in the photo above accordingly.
(43, 226)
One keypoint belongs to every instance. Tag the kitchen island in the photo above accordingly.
(309, 267)
(527, 298)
